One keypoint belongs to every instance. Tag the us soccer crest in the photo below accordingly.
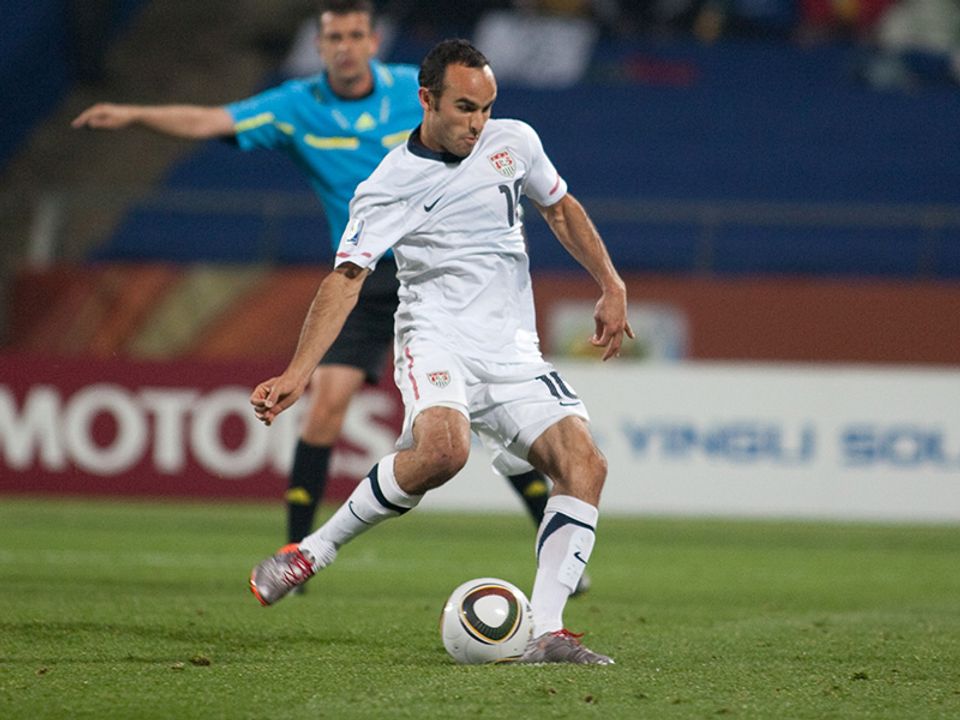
(503, 163)
(440, 378)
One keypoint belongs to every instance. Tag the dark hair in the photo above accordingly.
(342, 7)
(448, 52)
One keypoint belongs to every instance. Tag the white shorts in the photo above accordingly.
(508, 405)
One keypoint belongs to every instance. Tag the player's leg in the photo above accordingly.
(435, 444)
(331, 389)
(393, 487)
(566, 452)
(566, 535)
(546, 424)
(441, 444)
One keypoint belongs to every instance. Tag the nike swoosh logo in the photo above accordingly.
(432, 205)
(570, 404)
(577, 556)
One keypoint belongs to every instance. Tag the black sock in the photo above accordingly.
(308, 478)
(534, 490)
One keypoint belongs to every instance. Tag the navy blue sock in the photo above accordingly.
(308, 478)
(534, 490)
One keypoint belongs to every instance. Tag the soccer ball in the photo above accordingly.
(486, 620)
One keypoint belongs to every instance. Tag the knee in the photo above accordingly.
(441, 461)
(440, 450)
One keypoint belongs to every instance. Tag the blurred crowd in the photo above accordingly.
(906, 39)
(708, 19)
(893, 27)
(905, 42)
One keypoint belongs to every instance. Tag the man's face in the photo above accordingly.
(455, 119)
(346, 44)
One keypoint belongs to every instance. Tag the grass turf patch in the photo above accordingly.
(120, 610)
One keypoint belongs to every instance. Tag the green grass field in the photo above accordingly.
(141, 610)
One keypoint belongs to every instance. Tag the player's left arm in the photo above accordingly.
(577, 233)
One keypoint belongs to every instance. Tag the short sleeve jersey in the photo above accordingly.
(455, 229)
(336, 141)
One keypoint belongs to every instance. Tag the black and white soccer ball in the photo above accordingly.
(486, 620)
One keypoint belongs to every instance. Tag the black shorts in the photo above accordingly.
(367, 336)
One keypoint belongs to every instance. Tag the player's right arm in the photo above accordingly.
(335, 298)
(193, 122)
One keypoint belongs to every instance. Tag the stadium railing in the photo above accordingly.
(670, 236)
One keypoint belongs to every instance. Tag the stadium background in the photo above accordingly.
(779, 185)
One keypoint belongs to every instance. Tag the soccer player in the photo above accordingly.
(466, 349)
(337, 126)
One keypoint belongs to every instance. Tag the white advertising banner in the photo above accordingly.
(804, 441)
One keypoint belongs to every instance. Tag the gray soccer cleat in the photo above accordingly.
(278, 575)
(562, 646)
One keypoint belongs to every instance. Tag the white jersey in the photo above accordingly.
(455, 229)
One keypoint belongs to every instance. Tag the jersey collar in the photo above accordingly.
(416, 146)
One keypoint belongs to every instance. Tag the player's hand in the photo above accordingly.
(273, 396)
(610, 317)
(105, 116)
